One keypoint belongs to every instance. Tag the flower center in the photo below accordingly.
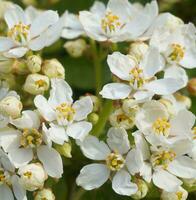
(31, 138)
(163, 158)
(110, 22)
(177, 52)
(28, 174)
(194, 132)
(137, 80)
(179, 195)
(2, 176)
(65, 111)
(19, 32)
(41, 83)
(115, 161)
(161, 126)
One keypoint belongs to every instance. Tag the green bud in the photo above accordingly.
(142, 189)
(93, 118)
(64, 150)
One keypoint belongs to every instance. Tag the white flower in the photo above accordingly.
(32, 176)
(28, 141)
(72, 28)
(161, 164)
(9, 181)
(25, 34)
(44, 194)
(178, 47)
(119, 21)
(139, 80)
(112, 154)
(62, 113)
(159, 127)
(181, 194)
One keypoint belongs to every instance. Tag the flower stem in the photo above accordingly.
(103, 117)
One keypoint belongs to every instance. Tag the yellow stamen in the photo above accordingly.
(28, 174)
(115, 161)
(137, 79)
(177, 53)
(161, 126)
(65, 111)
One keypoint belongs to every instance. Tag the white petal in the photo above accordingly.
(94, 149)
(29, 119)
(39, 25)
(164, 86)
(189, 60)
(166, 181)
(98, 8)
(44, 108)
(20, 156)
(120, 65)
(6, 44)
(37, 43)
(142, 96)
(183, 167)
(122, 184)
(17, 52)
(146, 172)
(14, 15)
(117, 139)
(79, 130)
(115, 91)
(19, 191)
(92, 27)
(51, 161)
(60, 93)
(82, 107)
(93, 176)
(6, 193)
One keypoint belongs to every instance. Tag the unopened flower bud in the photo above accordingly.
(32, 176)
(168, 104)
(76, 48)
(130, 107)
(192, 86)
(64, 150)
(34, 63)
(138, 49)
(20, 67)
(45, 194)
(181, 194)
(36, 84)
(11, 106)
(186, 101)
(53, 69)
(119, 119)
(6, 65)
(93, 118)
(142, 189)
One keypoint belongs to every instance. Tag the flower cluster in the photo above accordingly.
(138, 128)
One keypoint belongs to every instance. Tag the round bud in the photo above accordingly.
(64, 150)
(93, 118)
(45, 194)
(11, 106)
(119, 119)
(34, 63)
(138, 50)
(181, 194)
(36, 84)
(32, 176)
(53, 69)
(20, 67)
(142, 189)
(130, 107)
(6, 65)
(192, 86)
(76, 48)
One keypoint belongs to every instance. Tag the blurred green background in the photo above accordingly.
(80, 74)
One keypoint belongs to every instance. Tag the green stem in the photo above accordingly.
(97, 67)
(103, 117)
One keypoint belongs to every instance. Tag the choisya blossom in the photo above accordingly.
(138, 79)
(113, 155)
(27, 142)
(66, 118)
(164, 165)
(160, 127)
(10, 187)
(29, 33)
(119, 21)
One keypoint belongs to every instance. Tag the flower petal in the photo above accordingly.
(6, 44)
(6, 193)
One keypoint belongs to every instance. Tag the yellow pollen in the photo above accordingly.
(179, 195)
(161, 126)
(28, 174)
(177, 53)
(40, 83)
(31, 138)
(194, 132)
(115, 161)
(2, 176)
(163, 158)
(65, 111)
(110, 22)
(137, 79)
(19, 32)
